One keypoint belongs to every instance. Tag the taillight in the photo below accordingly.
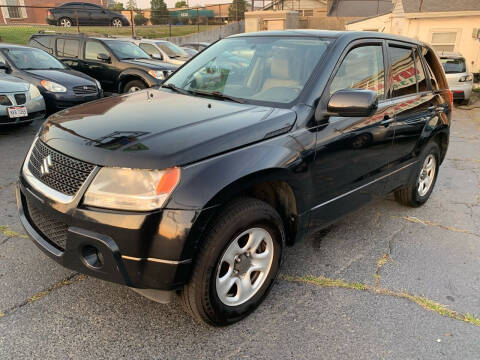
(450, 97)
(49, 13)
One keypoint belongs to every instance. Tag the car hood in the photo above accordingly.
(152, 64)
(65, 77)
(10, 84)
(154, 129)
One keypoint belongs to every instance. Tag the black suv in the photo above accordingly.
(196, 187)
(67, 15)
(119, 65)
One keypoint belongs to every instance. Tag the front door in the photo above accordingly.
(352, 154)
(98, 69)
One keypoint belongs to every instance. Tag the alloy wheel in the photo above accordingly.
(427, 175)
(116, 22)
(134, 89)
(65, 22)
(244, 266)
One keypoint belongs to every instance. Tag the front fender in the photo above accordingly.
(210, 182)
(142, 75)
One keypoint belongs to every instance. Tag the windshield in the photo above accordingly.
(265, 69)
(172, 50)
(126, 50)
(32, 59)
(453, 66)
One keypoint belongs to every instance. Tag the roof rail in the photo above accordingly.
(59, 33)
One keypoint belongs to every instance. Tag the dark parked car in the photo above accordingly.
(60, 86)
(196, 187)
(67, 14)
(119, 65)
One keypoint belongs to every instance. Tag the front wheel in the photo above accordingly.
(134, 85)
(237, 263)
(421, 186)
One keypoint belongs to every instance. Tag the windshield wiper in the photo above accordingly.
(218, 95)
(176, 89)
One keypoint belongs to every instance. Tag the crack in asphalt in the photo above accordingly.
(431, 223)
(7, 231)
(419, 300)
(69, 280)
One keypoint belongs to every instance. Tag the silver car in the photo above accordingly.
(460, 79)
(20, 102)
(163, 50)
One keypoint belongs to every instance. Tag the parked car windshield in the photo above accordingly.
(32, 59)
(453, 66)
(126, 50)
(264, 69)
(172, 50)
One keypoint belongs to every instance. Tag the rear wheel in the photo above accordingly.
(134, 85)
(237, 263)
(117, 22)
(421, 186)
(65, 22)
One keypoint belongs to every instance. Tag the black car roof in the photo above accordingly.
(350, 35)
(14, 46)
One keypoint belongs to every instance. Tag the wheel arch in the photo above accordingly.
(129, 75)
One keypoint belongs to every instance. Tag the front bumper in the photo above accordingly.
(61, 101)
(139, 250)
(35, 108)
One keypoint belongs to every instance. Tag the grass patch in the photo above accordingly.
(5, 230)
(419, 300)
(20, 34)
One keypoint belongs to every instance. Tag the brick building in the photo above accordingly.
(11, 14)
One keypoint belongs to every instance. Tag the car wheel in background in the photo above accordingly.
(237, 263)
(134, 85)
(421, 186)
(117, 22)
(65, 22)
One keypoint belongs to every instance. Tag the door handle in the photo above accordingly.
(386, 120)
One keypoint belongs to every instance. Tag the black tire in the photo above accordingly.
(409, 195)
(200, 295)
(65, 20)
(134, 84)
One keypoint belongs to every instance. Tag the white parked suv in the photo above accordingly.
(460, 79)
(163, 50)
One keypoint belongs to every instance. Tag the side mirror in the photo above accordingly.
(103, 57)
(4, 66)
(353, 103)
(156, 56)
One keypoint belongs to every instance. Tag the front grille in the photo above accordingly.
(20, 99)
(66, 174)
(53, 230)
(85, 89)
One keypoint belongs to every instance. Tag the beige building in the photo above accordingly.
(447, 25)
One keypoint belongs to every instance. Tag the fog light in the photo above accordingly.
(92, 257)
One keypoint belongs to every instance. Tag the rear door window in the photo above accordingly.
(68, 48)
(421, 77)
(362, 68)
(42, 42)
(403, 71)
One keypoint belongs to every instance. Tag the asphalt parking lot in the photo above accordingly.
(386, 282)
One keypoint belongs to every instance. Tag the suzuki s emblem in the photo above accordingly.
(46, 164)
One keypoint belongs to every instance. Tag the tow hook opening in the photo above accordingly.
(92, 257)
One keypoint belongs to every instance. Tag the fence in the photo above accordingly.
(18, 23)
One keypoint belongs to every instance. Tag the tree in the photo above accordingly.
(181, 4)
(115, 6)
(237, 10)
(140, 19)
(160, 12)
(132, 4)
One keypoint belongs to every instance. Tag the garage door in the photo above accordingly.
(276, 24)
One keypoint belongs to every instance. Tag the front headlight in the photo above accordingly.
(34, 92)
(52, 86)
(131, 189)
(157, 74)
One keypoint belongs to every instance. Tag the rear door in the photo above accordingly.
(352, 153)
(67, 50)
(105, 72)
(413, 101)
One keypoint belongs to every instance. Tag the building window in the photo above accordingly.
(444, 41)
(13, 9)
(308, 12)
